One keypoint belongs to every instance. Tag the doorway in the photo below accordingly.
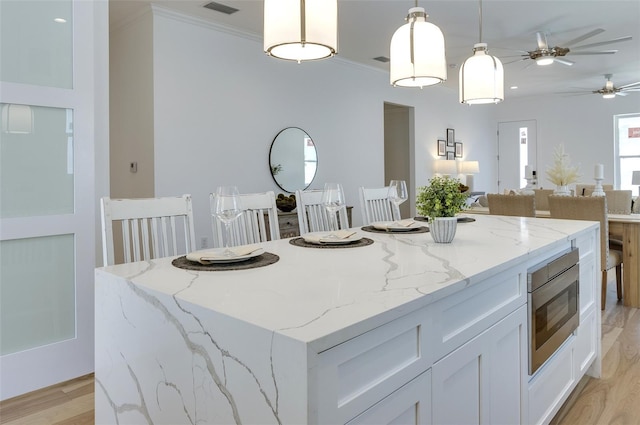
(398, 145)
(517, 148)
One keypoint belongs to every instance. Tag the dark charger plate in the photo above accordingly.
(460, 219)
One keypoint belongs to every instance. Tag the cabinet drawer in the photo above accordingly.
(411, 404)
(362, 371)
(460, 317)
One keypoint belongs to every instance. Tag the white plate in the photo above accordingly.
(389, 226)
(218, 258)
(321, 238)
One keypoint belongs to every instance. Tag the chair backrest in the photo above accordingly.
(618, 201)
(251, 227)
(515, 205)
(584, 208)
(542, 198)
(313, 216)
(376, 206)
(149, 227)
(581, 189)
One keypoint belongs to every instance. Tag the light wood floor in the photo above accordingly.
(613, 399)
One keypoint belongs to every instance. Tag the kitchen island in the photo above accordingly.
(403, 329)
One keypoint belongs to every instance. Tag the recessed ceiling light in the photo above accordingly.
(60, 20)
(513, 87)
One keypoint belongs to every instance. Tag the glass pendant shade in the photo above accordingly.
(301, 30)
(481, 78)
(417, 52)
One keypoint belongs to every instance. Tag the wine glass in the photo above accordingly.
(397, 194)
(227, 209)
(333, 200)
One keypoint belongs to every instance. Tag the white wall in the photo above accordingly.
(131, 108)
(219, 101)
(584, 124)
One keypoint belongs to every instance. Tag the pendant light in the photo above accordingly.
(417, 52)
(481, 75)
(301, 30)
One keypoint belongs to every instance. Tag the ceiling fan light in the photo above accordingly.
(301, 30)
(481, 78)
(544, 60)
(608, 95)
(417, 52)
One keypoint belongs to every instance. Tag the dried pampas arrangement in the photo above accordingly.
(562, 173)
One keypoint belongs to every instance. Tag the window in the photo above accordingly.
(627, 128)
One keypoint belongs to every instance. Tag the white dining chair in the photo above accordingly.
(149, 228)
(376, 205)
(257, 223)
(313, 216)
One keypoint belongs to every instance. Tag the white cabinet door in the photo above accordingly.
(482, 381)
(409, 405)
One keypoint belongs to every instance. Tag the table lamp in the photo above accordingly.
(445, 167)
(469, 168)
(635, 180)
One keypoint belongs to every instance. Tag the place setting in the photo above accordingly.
(397, 194)
(227, 209)
(333, 200)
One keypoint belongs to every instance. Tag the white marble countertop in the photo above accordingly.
(312, 295)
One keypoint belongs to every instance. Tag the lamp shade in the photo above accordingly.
(417, 56)
(481, 78)
(636, 177)
(301, 30)
(17, 119)
(469, 167)
(443, 166)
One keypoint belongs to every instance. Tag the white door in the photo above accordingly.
(47, 192)
(517, 147)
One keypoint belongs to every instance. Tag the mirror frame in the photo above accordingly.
(279, 184)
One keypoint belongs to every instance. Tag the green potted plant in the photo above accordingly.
(440, 201)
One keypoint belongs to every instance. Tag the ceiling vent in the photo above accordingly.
(382, 59)
(228, 10)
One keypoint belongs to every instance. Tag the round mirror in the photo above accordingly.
(293, 159)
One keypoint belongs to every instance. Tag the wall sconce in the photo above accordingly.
(17, 119)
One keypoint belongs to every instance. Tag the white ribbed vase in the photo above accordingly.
(443, 229)
(562, 191)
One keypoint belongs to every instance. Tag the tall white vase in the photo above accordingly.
(443, 229)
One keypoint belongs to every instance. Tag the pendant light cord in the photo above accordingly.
(480, 13)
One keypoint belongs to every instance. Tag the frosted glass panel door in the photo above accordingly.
(47, 207)
(517, 147)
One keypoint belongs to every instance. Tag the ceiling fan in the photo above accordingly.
(546, 55)
(610, 91)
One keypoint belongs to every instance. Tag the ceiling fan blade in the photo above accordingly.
(620, 94)
(583, 37)
(516, 60)
(541, 38)
(629, 90)
(600, 52)
(563, 61)
(602, 43)
(630, 85)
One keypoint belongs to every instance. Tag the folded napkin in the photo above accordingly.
(403, 223)
(338, 235)
(385, 225)
(207, 256)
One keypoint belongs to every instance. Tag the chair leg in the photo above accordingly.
(604, 289)
(619, 281)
